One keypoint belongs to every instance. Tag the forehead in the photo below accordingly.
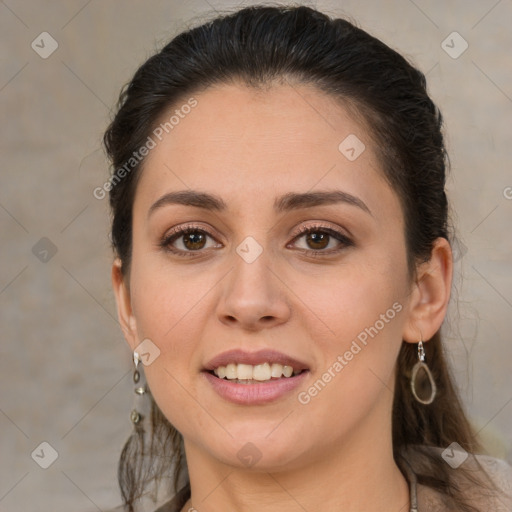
(239, 141)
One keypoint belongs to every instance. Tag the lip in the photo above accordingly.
(239, 356)
(254, 394)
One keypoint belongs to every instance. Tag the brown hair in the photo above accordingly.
(257, 46)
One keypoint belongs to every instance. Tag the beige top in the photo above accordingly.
(426, 499)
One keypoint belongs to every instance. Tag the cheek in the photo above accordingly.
(355, 319)
(352, 297)
(168, 307)
(165, 299)
(364, 310)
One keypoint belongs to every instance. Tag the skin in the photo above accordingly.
(249, 147)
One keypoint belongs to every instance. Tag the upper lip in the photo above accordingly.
(239, 356)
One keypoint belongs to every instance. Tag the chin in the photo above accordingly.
(258, 452)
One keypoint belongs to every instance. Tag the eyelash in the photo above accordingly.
(340, 237)
(166, 242)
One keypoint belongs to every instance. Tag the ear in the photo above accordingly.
(430, 294)
(124, 306)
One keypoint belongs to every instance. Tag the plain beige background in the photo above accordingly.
(65, 370)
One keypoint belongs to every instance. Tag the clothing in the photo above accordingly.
(423, 498)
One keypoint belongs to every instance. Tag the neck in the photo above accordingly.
(358, 473)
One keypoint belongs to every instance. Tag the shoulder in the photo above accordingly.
(484, 467)
(495, 474)
(486, 481)
(498, 472)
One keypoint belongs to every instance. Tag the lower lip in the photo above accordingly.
(255, 394)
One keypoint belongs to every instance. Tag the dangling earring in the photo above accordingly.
(140, 390)
(418, 382)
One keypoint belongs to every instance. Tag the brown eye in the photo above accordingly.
(321, 240)
(317, 240)
(185, 241)
(194, 240)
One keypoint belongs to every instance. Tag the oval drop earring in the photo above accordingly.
(423, 386)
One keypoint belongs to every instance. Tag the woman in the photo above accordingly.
(282, 271)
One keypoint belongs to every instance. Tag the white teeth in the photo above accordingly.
(287, 371)
(259, 372)
(244, 371)
(276, 370)
(231, 372)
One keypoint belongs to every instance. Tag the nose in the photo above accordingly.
(253, 296)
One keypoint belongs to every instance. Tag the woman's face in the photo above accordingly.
(295, 247)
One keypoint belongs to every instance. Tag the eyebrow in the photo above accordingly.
(293, 201)
(190, 198)
(286, 202)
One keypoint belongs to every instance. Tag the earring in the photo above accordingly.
(140, 390)
(420, 375)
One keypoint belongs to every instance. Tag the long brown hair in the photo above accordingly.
(256, 46)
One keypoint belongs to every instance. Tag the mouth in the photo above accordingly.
(251, 378)
(240, 373)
